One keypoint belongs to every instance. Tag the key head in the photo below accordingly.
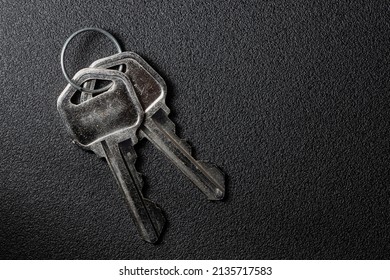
(112, 116)
(149, 86)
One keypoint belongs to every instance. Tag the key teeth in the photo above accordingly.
(140, 180)
(219, 176)
(156, 215)
(163, 116)
(170, 125)
(186, 146)
(130, 156)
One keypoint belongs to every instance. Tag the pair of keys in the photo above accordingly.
(111, 123)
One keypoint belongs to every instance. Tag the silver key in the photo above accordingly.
(107, 125)
(158, 128)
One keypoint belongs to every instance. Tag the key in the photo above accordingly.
(107, 125)
(158, 128)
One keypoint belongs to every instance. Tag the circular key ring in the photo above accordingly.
(109, 36)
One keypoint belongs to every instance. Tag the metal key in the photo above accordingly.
(158, 128)
(107, 125)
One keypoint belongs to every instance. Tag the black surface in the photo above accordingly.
(291, 100)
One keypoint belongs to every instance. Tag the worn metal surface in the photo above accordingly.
(107, 125)
(151, 91)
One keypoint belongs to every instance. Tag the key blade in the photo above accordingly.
(206, 176)
(155, 214)
(146, 215)
(214, 170)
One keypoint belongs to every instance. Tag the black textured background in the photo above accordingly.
(290, 99)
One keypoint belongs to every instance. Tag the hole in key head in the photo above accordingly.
(80, 97)
(76, 98)
(120, 67)
(98, 84)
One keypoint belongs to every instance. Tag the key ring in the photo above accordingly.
(109, 36)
